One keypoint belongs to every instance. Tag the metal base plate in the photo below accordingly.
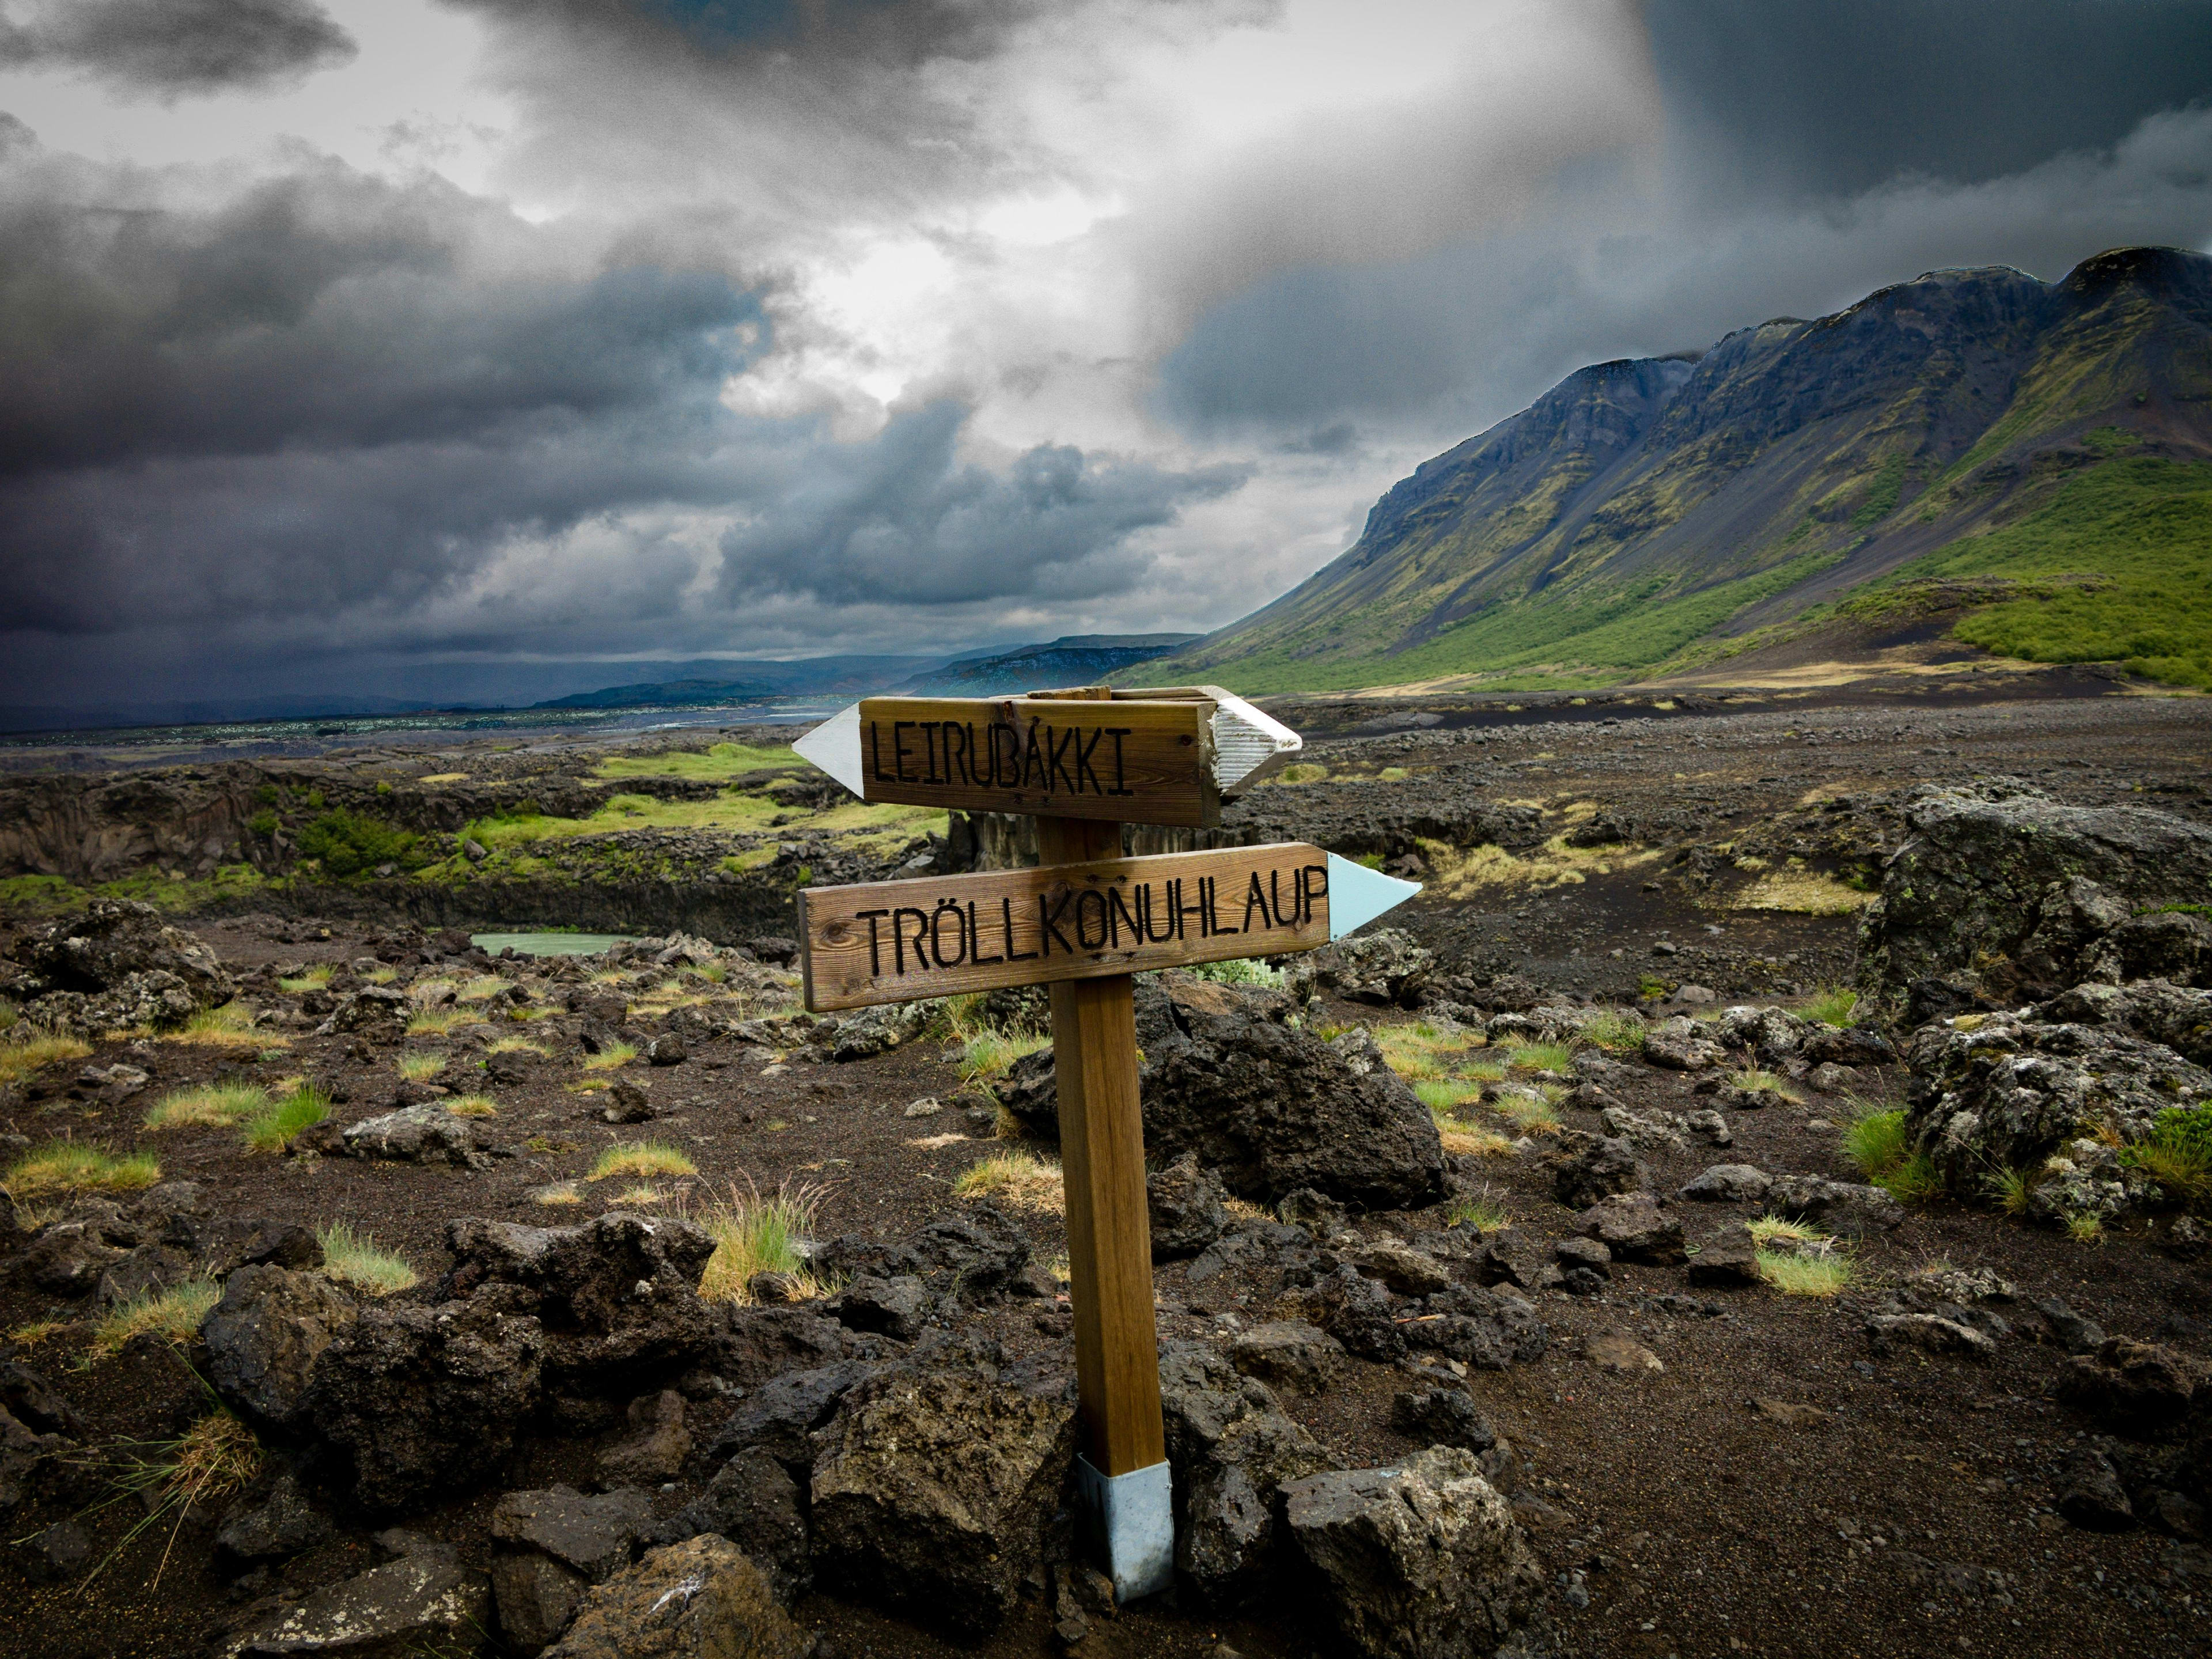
(1130, 1520)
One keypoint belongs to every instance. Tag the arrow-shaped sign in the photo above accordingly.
(1165, 755)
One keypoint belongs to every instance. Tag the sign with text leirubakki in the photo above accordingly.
(894, 941)
(1167, 757)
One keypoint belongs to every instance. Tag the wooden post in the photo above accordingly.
(1102, 1151)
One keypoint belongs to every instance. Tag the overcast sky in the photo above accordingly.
(417, 345)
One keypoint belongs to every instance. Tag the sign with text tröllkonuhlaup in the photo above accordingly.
(1159, 756)
(893, 941)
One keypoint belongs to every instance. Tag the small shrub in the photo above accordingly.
(1614, 1029)
(1240, 971)
(1485, 1214)
(1756, 1081)
(472, 1106)
(643, 1158)
(421, 1066)
(73, 1166)
(1020, 1178)
(354, 1259)
(755, 1232)
(1538, 1056)
(278, 1124)
(1877, 1142)
(1836, 1005)
(262, 826)
(173, 1315)
(614, 1054)
(990, 1052)
(2012, 1189)
(210, 1105)
(230, 1026)
(1796, 1275)
(349, 843)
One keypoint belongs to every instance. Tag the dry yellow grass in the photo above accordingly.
(35, 1050)
(1802, 892)
(1021, 1178)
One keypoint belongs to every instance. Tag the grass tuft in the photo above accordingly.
(72, 1166)
(308, 979)
(1780, 1230)
(354, 1258)
(173, 1315)
(755, 1232)
(1793, 1274)
(1877, 1141)
(642, 1158)
(472, 1106)
(2085, 1229)
(1484, 1213)
(421, 1067)
(1754, 1080)
(1537, 1056)
(1613, 1028)
(1240, 971)
(614, 1054)
(210, 1105)
(35, 1050)
(2012, 1189)
(438, 1022)
(990, 1053)
(278, 1124)
(1531, 1114)
(230, 1026)
(1835, 1005)
(1020, 1178)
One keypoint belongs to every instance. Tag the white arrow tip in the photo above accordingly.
(835, 746)
(1357, 894)
(1247, 745)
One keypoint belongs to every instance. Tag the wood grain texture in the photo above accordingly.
(893, 941)
(1101, 1147)
(1149, 762)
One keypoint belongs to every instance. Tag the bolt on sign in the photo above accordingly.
(1084, 762)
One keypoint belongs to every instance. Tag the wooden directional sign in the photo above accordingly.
(892, 941)
(1161, 756)
(1082, 922)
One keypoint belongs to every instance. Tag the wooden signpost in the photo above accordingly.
(1084, 762)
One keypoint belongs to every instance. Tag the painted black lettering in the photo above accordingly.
(1181, 909)
(1006, 757)
(875, 945)
(1121, 782)
(1117, 913)
(1213, 908)
(1091, 896)
(1314, 880)
(1255, 897)
(929, 730)
(1006, 917)
(975, 935)
(1049, 915)
(899, 753)
(1033, 762)
(1275, 896)
(1058, 748)
(966, 734)
(948, 907)
(1145, 913)
(1083, 753)
(876, 753)
(898, 938)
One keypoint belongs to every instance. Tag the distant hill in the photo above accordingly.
(747, 681)
(1071, 659)
(2051, 441)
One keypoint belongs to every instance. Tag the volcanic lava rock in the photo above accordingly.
(1634, 1227)
(1592, 1167)
(419, 1604)
(1423, 1560)
(1384, 966)
(1726, 1183)
(1231, 1448)
(2017, 897)
(2139, 1388)
(931, 1487)
(977, 1252)
(1443, 1417)
(114, 940)
(1186, 1208)
(373, 1013)
(1287, 1353)
(425, 1133)
(701, 1599)
(1266, 1107)
(1680, 1044)
(2004, 1091)
(266, 1336)
(280, 1524)
(426, 1398)
(898, 1306)
(754, 1503)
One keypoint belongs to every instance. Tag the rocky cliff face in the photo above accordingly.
(1642, 505)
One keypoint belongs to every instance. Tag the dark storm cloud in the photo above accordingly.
(1840, 95)
(885, 33)
(169, 49)
(340, 414)
(900, 521)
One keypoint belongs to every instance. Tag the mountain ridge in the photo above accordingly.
(1646, 505)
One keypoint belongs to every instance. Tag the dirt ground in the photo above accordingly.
(1908, 1513)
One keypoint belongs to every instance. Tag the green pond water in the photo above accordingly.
(550, 945)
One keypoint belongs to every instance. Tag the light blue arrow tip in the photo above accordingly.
(1357, 894)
